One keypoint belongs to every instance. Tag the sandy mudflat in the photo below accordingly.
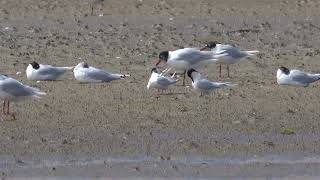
(123, 119)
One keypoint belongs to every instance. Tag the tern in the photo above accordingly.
(159, 81)
(295, 77)
(227, 54)
(204, 86)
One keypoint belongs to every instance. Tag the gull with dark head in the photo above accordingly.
(88, 74)
(204, 86)
(227, 54)
(183, 59)
(36, 71)
(295, 77)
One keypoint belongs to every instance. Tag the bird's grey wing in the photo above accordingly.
(301, 77)
(17, 89)
(50, 70)
(205, 84)
(3, 77)
(164, 81)
(228, 50)
(193, 55)
(97, 74)
(223, 48)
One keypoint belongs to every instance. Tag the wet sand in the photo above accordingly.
(123, 119)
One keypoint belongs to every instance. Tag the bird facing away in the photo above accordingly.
(43, 72)
(227, 54)
(187, 58)
(295, 77)
(88, 74)
(13, 90)
(204, 86)
(159, 82)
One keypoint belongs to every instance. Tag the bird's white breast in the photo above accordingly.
(30, 72)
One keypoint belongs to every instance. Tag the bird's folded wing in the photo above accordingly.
(193, 55)
(96, 74)
(301, 77)
(17, 89)
(165, 81)
(205, 84)
(220, 55)
(223, 47)
(49, 70)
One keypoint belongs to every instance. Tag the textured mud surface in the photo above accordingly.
(124, 119)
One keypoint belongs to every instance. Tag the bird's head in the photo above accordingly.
(190, 73)
(81, 65)
(163, 56)
(35, 65)
(154, 70)
(284, 70)
(210, 45)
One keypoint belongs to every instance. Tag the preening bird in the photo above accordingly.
(183, 59)
(160, 82)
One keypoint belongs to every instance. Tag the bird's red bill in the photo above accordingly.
(204, 48)
(158, 62)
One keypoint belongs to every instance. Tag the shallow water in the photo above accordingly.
(292, 166)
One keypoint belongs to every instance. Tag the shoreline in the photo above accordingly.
(255, 167)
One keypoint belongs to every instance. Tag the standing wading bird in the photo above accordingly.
(295, 77)
(87, 74)
(227, 54)
(184, 59)
(37, 71)
(159, 81)
(204, 86)
(13, 90)
(94, 3)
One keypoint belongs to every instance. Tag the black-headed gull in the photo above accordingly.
(88, 74)
(295, 77)
(204, 86)
(187, 58)
(13, 90)
(227, 54)
(159, 81)
(36, 71)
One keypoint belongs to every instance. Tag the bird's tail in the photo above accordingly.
(229, 84)
(316, 76)
(37, 93)
(172, 80)
(122, 76)
(68, 68)
(148, 85)
(251, 53)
